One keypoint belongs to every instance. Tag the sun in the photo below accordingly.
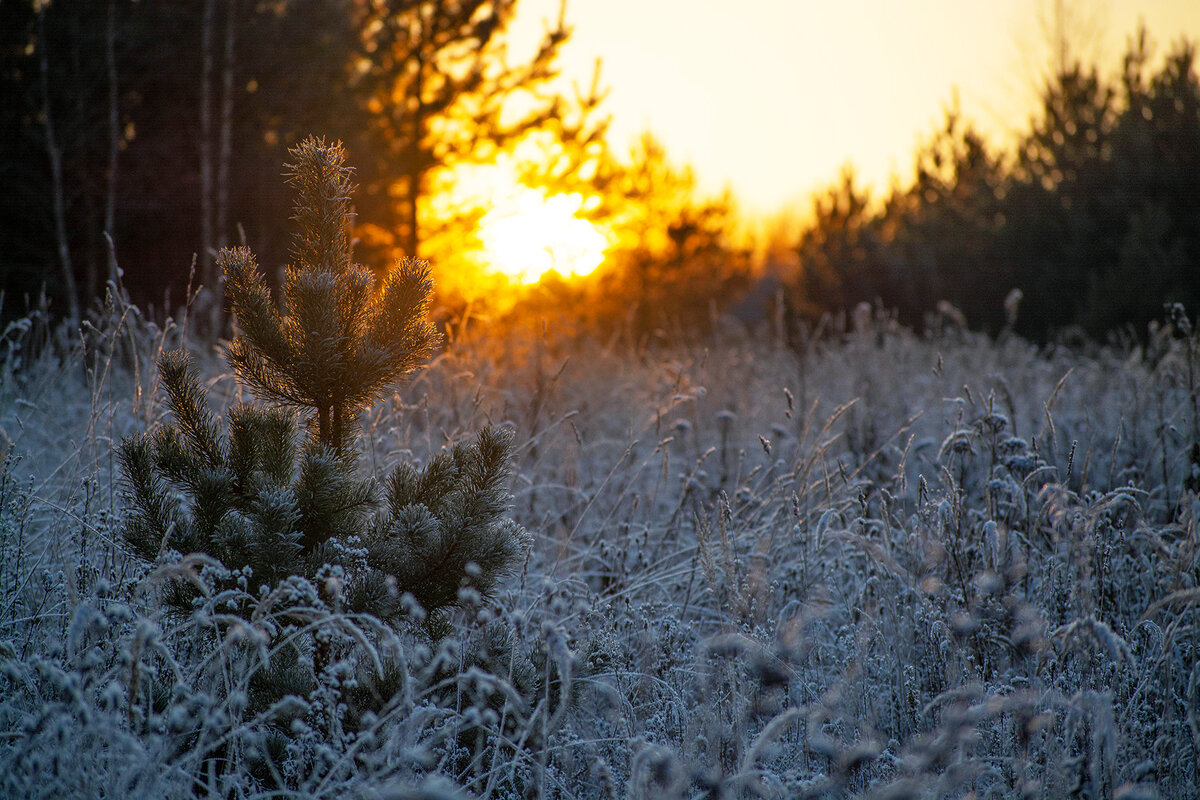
(535, 233)
(524, 232)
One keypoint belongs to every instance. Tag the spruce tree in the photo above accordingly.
(275, 494)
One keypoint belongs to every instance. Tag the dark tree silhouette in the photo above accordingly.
(1095, 217)
(835, 251)
(941, 231)
(433, 78)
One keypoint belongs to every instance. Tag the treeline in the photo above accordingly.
(1094, 216)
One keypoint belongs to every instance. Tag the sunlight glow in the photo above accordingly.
(519, 233)
(535, 233)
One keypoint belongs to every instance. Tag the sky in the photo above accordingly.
(772, 98)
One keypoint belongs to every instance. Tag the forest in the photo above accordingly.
(904, 506)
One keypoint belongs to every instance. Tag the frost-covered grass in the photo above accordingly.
(883, 566)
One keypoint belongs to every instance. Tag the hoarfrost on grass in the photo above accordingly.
(890, 566)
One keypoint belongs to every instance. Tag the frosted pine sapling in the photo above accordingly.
(341, 341)
(287, 515)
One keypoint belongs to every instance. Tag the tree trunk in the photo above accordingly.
(114, 138)
(323, 424)
(225, 155)
(410, 239)
(56, 178)
(219, 233)
(87, 222)
(207, 265)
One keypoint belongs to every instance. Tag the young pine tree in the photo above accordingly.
(275, 495)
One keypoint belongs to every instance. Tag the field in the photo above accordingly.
(868, 564)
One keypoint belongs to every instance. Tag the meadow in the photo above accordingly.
(865, 563)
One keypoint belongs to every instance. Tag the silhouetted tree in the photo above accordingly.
(837, 251)
(433, 78)
(1062, 218)
(1156, 179)
(1102, 215)
(674, 263)
(937, 237)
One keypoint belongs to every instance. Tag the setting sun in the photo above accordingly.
(522, 233)
(534, 234)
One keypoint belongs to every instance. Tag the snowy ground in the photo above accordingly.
(879, 565)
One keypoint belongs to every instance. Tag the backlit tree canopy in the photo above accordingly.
(437, 87)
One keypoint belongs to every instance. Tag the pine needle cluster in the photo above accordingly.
(341, 340)
(274, 494)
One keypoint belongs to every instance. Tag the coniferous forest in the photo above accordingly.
(298, 500)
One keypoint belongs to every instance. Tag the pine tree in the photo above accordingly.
(275, 495)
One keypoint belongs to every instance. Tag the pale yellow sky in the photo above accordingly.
(773, 97)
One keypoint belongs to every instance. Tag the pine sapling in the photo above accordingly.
(274, 493)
